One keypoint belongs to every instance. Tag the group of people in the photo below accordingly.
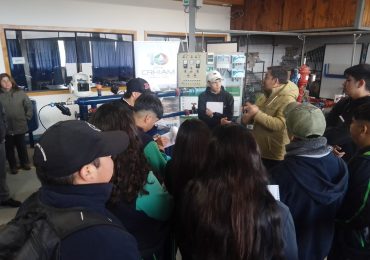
(211, 197)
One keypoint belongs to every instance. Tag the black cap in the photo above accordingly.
(137, 85)
(68, 145)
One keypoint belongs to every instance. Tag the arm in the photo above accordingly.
(229, 110)
(202, 106)
(276, 122)
(158, 204)
(27, 106)
(155, 158)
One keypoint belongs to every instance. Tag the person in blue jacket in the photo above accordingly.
(352, 236)
(311, 179)
(73, 162)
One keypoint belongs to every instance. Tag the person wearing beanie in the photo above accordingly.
(74, 165)
(215, 94)
(352, 237)
(311, 179)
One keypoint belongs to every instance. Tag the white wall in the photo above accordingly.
(136, 15)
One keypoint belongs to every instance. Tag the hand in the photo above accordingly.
(246, 118)
(209, 112)
(161, 141)
(337, 151)
(224, 121)
(251, 109)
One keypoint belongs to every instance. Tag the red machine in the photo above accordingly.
(304, 71)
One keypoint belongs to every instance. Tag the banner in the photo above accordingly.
(156, 62)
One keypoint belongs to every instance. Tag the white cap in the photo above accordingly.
(214, 75)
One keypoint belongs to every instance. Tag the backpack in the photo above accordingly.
(37, 229)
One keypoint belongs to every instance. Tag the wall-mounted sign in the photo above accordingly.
(156, 62)
(18, 60)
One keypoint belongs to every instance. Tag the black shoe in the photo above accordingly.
(13, 170)
(26, 167)
(10, 203)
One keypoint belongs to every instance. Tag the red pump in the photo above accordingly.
(304, 71)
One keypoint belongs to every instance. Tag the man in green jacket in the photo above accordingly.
(267, 115)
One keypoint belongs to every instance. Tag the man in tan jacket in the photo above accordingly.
(267, 115)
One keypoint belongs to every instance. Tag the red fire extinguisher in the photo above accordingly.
(304, 71)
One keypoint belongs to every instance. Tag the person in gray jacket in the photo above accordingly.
(5, 200)
(18, 109)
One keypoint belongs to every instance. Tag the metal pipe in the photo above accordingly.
(303, 38)
(355, 38)
(359, 13)
(239, 32)
(192, 17)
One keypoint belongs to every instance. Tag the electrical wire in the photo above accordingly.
(40, 117)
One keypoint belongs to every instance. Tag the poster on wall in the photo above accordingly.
(156, 62)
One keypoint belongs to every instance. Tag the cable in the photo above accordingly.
(40, 117)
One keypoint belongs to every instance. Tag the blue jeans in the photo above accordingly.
(4, 190)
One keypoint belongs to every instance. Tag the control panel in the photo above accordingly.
(192, 69)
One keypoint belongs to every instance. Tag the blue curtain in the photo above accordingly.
(125, 59)
(70, 48)
(83, 49)
(17, 70)
(44, 62)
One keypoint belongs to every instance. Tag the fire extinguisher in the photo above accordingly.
(304, 71)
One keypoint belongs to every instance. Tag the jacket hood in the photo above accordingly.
(317, 178)
(288, 89)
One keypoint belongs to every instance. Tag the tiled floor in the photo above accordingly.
(21, 186)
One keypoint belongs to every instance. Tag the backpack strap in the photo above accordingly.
(67, 221)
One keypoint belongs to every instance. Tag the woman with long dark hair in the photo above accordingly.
(188, 155)
(138, 199)
(227, 212)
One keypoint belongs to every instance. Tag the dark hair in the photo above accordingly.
(131, 168)
(189, 153)
(15, 87)
(149, 102)
(46, 179)
(358, 72)
(280, 73)
(228, 212)
(362, 112)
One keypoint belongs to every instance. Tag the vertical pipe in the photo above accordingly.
(303, 48)
(192, 13)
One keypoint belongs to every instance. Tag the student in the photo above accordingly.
(312, 180)
(73, 162)
(357, 88)
(134, 88)
(148, 110)
(267, 115)
(352, 237)
(18, 109)
(138, 199)
(227, 211)
(215, 92)
(5, 200)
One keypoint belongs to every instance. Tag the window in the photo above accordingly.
(47, 60)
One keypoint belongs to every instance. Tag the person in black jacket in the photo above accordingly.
(352, 237)
(215, 98)
(357, 88)
(5, 200)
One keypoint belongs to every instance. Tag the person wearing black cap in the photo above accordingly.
(73, 162)
(134, 88)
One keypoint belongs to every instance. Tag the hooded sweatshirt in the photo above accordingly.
(207, 96)
(312, 182)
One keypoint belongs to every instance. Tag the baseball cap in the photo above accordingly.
(137, 85)
(68, 145)
(214, 75)
(304, 120)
